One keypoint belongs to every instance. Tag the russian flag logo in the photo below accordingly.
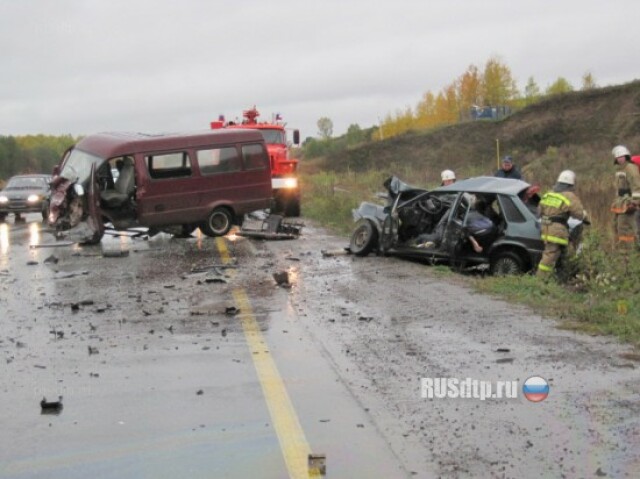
(535, 389)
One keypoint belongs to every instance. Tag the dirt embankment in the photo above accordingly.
(590, 121)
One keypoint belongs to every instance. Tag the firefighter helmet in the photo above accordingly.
(567, 177)
(619, 151)
(447, 175)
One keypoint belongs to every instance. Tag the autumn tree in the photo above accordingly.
(354, 134)
(561, 85)
(531, 92)
(499, 87)
(469, 89)
(588, 81)
(325, 128)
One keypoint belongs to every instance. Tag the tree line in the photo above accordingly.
(31, 153)
(493, 86)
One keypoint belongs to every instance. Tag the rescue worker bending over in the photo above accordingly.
(626, 206)
(556, 207)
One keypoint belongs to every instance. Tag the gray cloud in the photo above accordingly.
(83, 66)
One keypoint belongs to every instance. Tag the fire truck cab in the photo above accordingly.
(284, 174)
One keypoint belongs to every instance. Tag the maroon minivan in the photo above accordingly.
(171, 182)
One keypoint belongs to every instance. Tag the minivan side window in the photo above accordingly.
(254, 157)
(169, 165)
(218, 160)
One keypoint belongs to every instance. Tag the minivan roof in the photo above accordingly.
(108, 145)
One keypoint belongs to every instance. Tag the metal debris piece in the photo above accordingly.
(505, 360)
(273, 227)
(317, 464)
(281, 278)
(52, 245)
(335, 252)
(51, 407)
(51, 260)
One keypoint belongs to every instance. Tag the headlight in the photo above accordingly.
(33, 199)
(291, 182)
(4, 199)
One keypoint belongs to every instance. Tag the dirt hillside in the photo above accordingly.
(575, 130)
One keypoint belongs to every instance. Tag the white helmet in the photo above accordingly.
(568, 177)
(619, 151)
(447, 175)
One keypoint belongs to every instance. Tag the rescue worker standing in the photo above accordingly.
(627, 203)
(448, 177)
(556, 207)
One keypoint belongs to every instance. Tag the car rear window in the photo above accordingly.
(511, 211)
(218, 160)
(169, 165)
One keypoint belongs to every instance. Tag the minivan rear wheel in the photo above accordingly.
(218, 223)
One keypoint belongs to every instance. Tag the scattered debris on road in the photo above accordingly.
(274, 227)
(51, 407)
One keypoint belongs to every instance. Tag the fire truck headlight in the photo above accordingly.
(291, 182)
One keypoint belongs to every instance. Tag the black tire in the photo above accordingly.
(186, 230)
(218, 223)
(45, 211)
(292, 207)
(506, 263)
(3, 217)
(95, 239)
(364, 238)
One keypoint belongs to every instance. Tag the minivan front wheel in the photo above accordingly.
(218, 223)
(507, 263)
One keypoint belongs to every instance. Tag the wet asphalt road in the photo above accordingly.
(157, 381)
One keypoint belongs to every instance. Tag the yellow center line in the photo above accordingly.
(293, 442)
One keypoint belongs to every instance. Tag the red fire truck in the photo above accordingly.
(284, 178)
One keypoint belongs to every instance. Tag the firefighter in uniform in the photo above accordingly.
(556, 207)
(626, 205)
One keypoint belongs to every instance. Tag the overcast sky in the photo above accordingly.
(78, 67)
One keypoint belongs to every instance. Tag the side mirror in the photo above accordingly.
(296, 137)
(79, 190)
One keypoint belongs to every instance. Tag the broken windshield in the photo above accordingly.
(78, 166)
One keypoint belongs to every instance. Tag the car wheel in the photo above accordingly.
(507, 263)
(3, 216)
(218, 223)
(363, 238)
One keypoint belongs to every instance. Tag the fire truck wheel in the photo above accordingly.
(218, 223)
(292, 208)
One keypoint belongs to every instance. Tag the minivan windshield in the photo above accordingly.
(78, 166)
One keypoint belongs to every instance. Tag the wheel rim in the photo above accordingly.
(219, 222)
(361, 237)
(507, 266)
